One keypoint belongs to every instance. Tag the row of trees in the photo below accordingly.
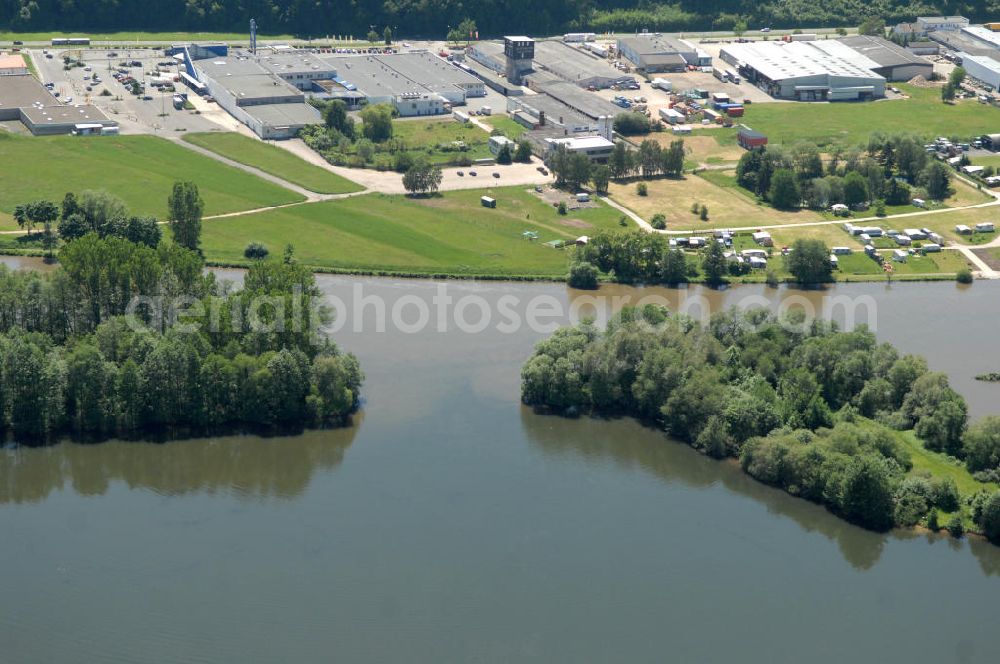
(459, 20)
(803, 406)
(106, 215)
(649, 160)
(887, 170)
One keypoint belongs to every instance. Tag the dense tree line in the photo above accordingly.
(79, 356)
(379, 21)
(804, 407)
(891, 169)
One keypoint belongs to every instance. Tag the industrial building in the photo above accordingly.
(24, 99)
(573, 96)
(654, 54)
(941, 23)
(985, 38)
(577, 66)
(596, 148)
(13, 65)
(982, 68)
(416, 83)
(825, 70)
(299, 68)
(266, 103)
(895, 63)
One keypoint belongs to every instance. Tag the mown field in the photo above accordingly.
(429, 138)
(273, 160)
(138, 169)
(506, 124)
(851, 123)
(450, 234)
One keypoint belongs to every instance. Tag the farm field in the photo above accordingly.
(273, 160)
(846, 124)
(138, 169)
(450, 234)
(728, 205)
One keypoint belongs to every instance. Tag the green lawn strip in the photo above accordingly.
(510, 128)
(274, 160)
(851, 124)
(449, 234)
(140, 170)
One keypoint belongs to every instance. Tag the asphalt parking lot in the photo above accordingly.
(136, 115)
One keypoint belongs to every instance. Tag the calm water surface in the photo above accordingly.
(453, 525)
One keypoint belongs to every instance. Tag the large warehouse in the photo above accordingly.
(577, 66)
(895, 63)
(807, 71)
(270, 106)
(982, 68)
(24, 99)
(653, 54)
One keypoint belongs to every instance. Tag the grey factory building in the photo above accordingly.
(577, 66)
(653, 54)
(266, 103)
(895, 63)
(24, 99)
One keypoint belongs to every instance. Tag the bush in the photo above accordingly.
(932, 521)
(964, 276)
(703, 215)
(696, 208)
(631, 124)
(561, 208)
(659, 221)
(582, 275)
(955, 527)
(255, 251)
(771, 279)
(641, 189)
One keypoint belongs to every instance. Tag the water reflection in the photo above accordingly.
(628, 444)
(245, 466)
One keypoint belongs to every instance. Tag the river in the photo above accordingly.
(451, 524)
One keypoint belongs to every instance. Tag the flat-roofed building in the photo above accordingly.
(895, 63)
(654, 54)
(982, 68)
(298, 67)
(823, 70)
(266, 103)
(596, 148)
(982, 36)
(382, 84)
(943, 23)
(435, 75)
(17, 92)
(65, 119)
(577, 66)
(13, 65)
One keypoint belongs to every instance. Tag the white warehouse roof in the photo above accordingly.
(785, 60)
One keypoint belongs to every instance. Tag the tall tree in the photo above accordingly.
(809, 262)
(185, 209)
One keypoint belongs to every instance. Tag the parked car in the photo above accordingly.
(495, 174)
(472, 173)
(461, 174)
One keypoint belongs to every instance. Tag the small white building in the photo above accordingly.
(763, 238)
(596, 148)
(757, 263)
(899, 255)
(932, 248)
(841, 251)
(498, 142)
(903, 240)
(915, 233)
(985, 227)
(962, 229)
